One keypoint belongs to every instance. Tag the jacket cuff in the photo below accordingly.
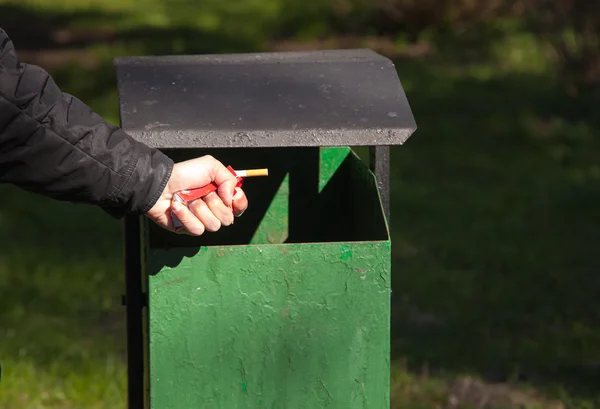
(161, 186)
(146, 178)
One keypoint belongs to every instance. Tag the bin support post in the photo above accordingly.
(379, 162)
(134, 302)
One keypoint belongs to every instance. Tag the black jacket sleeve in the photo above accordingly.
(52, 144)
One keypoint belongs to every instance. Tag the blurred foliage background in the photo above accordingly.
(495, 197)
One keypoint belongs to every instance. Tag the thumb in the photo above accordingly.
(225, 181)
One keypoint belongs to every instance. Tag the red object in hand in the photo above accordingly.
(189, 195)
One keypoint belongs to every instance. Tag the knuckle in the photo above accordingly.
(210, 198)
(197, 206)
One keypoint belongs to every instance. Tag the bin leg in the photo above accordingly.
(134, 302)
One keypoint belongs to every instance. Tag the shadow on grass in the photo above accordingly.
(31, 29)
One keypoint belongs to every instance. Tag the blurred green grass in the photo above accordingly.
(494, 226)
(61, 325)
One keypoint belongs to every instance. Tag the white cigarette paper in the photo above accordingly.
(251, 173)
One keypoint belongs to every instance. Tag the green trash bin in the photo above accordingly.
(289, 307)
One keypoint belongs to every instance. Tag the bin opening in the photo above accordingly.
(311, 195)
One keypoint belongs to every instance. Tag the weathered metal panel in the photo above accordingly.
(283, 99)
(282, 321)
(271, 326)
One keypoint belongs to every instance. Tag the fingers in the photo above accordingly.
(213, 211)
(218, 209)
(189, 222)
(207, 214)
(240, 202)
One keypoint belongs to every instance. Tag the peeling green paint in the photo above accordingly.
(346, 252)
(314, 333)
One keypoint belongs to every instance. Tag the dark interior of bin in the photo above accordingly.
(348, 208)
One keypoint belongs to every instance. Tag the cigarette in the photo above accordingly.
(251, 172)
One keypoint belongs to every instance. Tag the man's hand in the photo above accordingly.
(207, 214)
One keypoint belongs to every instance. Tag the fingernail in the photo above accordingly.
(176, 206)
(237, 193)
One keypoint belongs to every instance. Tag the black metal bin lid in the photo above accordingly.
(282, 99)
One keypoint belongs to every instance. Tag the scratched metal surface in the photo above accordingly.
(272, 326)
(315, 98)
